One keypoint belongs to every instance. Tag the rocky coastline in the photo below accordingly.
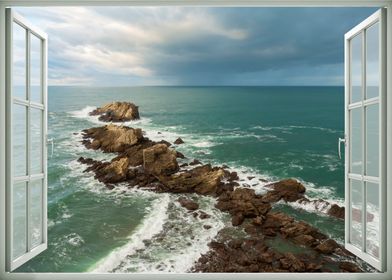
(140, 162)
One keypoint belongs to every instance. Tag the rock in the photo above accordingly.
(180, 155)
(289, 190)
(184, 165)
(108, 172)
(203, 180)
(336, 211)
(292, 263)
(111, 138)
(117, 112)
(327, 247)
(195, 162)
(188, 204)
(160, 160)
(237, 219)
(250, 177)
(349, 267)
(207, 227)
(179, 141)
(203, 215)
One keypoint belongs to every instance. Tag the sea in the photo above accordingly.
(268, 133)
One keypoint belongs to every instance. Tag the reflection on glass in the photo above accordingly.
(356, 68)
(19, 61)
(372, 61)
(36, 213)
(356, 213)
(19, 136)
(18, 220)
(372, 220)
(35, 69)
(372, 140)
(356, 141)
(36, 141)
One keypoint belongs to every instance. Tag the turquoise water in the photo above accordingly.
(267, 132)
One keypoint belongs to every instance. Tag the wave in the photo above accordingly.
(151, 225)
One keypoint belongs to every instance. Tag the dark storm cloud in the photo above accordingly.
(196, 46)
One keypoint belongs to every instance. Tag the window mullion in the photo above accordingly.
(364, 208)
(28, 132)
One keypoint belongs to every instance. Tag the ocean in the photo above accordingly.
(268, 133)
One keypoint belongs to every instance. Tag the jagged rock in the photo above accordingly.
(202, 180)
(179, 141)
(207, 227)
(111, 138)
(289, 190)
(160, 160)
(237, 219)
(188, 204)
(117, 112)
(243, 201)
(180, 155)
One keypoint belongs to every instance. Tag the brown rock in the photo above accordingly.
(188, 204)
(111, 138)
(207, 227)
(336, 211)
(289, 190)
(117, 112)
(195, 162)
(179, 141)
(203, 215)
(237, 219)
(349, 267)
(160, 160)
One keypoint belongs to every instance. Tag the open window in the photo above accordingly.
(26, 141)
(365, 129)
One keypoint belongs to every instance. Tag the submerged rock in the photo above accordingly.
(117, 112)
(188, 204)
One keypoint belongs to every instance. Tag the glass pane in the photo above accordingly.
(19, 220)
(356, 213)
(373, 220)
(356, 68)
(36, 212)
(36, 141)
(35, 69)
(372, 140)
(372, 61)
(356, 141)
(19, 139)
(19, 61)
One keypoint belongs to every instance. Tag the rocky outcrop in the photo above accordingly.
(140, 162)
(111, 138)
(289, 190)
(117, 112)
(159, 160)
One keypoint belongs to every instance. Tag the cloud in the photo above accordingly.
(195, 45)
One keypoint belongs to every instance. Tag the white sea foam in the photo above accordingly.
(152, 224)
(74, 239)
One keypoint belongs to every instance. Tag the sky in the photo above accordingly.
(142, 46)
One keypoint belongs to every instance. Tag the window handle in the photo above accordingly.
(340, 141)
(51, 142)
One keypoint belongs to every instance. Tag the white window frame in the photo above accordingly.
(233, 3)
(14, 18)
(377, 17)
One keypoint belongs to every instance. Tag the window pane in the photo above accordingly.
(19, 139)
(372, 140)
(36, 212)
(372, 61)
(19, 61)
(19, 220)
(356, 68)
(35, 69)
(36, 141)
(373, 220)
(356, 213)
(356, 141)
